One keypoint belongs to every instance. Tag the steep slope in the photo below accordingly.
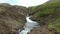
(12, 18)
(48, 15)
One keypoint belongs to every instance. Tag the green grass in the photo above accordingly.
(49, 8)
(55, 25)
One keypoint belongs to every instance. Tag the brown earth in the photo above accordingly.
(12, 18)
(40, 30)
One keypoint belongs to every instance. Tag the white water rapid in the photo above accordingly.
(29, 25)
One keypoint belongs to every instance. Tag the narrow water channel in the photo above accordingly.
(29, 25)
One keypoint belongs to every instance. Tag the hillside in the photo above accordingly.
(48, 15)
(12, 18)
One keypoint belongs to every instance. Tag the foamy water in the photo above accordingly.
(29, 25)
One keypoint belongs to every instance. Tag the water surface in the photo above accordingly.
(29, 25)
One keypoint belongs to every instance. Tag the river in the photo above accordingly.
(29, 25)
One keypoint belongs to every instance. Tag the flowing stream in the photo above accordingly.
(29, 25)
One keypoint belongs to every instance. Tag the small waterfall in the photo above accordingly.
(29, 25)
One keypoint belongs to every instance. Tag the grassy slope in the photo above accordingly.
(47, 9)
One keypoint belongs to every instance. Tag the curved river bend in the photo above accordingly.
(29, 25)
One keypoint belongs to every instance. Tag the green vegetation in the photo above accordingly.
(50, 8)
(55, 25)
(33, 9)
